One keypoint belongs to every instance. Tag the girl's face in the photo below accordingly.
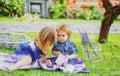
(62, 36)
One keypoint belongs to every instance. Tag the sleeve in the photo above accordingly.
(55, 48)
(73, 49)
(37, 54)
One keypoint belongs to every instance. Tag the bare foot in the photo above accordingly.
(10, 68)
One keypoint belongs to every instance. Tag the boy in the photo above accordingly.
(64, 45)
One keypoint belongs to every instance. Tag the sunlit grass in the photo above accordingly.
(76, 21)
(7, 19)
(109, 66)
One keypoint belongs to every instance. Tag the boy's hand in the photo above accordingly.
(67, 57)
(65, 64)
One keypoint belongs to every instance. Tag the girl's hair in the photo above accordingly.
(64, 28)
(46, 37)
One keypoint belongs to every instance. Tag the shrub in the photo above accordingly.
(11, 7)
(91, 13)
(77, 13)
(96, 14)
(58, 9)
(86, 14)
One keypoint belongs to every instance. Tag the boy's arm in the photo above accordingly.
(71, 56)
(55, 50)
(74, 51)
(56, 53)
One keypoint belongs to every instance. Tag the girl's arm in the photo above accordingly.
(43, 58)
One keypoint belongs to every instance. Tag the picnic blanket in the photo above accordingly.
(10, 59)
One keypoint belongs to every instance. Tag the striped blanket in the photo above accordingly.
(10, 59)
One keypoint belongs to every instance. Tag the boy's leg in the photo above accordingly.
(24, 60)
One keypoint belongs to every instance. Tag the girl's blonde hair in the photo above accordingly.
(46, 37)
(65, 28)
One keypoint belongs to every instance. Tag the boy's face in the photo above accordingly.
(62, 36)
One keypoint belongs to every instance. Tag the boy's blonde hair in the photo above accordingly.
(65, 28)
(46, 37)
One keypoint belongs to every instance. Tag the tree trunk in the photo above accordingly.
(109, 16)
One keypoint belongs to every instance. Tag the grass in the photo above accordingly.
(78, 21)
(7, 19)
(109, 66)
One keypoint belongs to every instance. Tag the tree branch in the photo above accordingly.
(106, 4)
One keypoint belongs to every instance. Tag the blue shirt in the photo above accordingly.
(66, 48)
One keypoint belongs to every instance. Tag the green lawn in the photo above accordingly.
(9, 19)
(109, 66)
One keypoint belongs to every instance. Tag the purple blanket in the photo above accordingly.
(10, 59)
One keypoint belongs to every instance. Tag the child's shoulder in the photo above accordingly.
(56, 43)
(71, 43)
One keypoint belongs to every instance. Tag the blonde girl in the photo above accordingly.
(36, 49)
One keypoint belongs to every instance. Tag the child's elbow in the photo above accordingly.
(56, 53)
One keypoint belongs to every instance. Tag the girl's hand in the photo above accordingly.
(43, 58)
(48, 63)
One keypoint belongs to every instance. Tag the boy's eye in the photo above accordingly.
(63, 35)
(58, 35)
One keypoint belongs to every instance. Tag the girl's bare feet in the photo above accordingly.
(10, 68)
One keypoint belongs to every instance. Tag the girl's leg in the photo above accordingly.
(24, 60)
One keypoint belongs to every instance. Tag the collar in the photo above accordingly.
(67, 42)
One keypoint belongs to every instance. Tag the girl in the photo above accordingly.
(37, 49)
